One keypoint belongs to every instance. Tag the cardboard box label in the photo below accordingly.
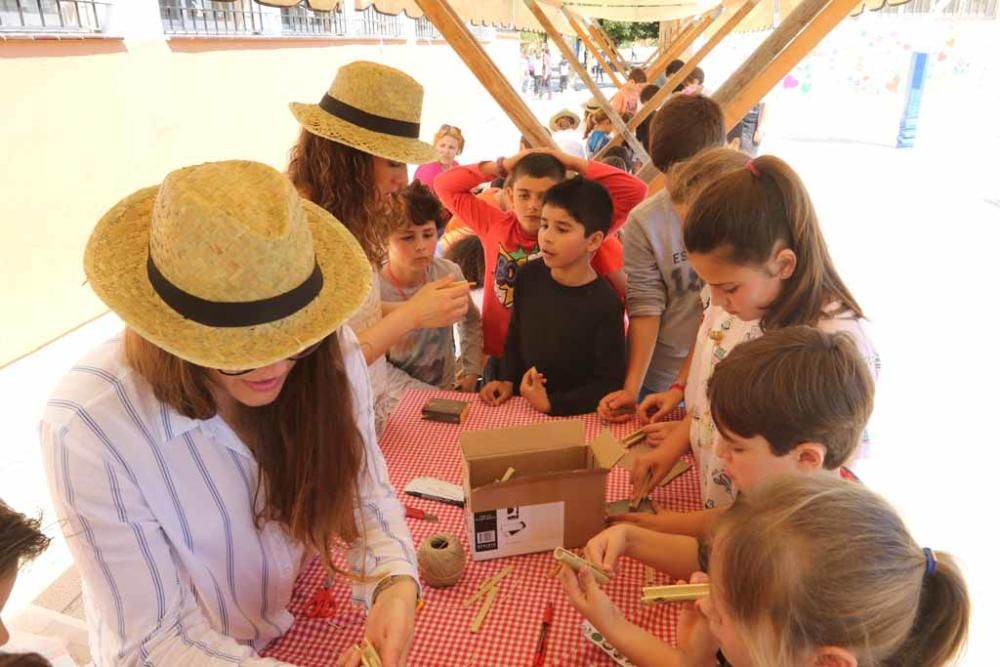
(509, 531)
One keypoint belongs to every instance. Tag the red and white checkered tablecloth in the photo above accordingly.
(414, 447)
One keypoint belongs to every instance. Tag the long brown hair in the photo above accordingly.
(306, 444)
(689, 177)
(811, 561)
(747, 214)
(341, 179)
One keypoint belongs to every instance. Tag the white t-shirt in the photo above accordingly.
(719, 333)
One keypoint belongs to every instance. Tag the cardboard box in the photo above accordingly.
(555, 498)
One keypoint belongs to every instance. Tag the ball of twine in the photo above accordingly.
(441, 560)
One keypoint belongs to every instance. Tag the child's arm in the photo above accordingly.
(608, 370)
(470, 336)
(677, 555)
(453, 188)
(626, 191)
(639, 646)
(659, 460)
(693, 524)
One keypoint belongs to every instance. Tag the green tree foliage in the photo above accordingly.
(622, 32)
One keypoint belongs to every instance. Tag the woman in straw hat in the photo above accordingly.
(564, 126)
(351, 155)
(197, 461)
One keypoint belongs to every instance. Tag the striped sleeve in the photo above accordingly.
(386, 547)
(147, 615)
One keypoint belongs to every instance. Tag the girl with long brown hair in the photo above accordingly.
(754, 238)
(350, 157)
(201, 459)
(808, 571)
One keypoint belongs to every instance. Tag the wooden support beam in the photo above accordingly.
(674, 49)
(609, 46)
(686, 39)
(578, 29)
(598, 41)
(680, 75)
(453, 29)
(581, 71)
(743, 100)
(791, 41)
(657, 52)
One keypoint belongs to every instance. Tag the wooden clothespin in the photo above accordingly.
(674, 593)
(577, 563)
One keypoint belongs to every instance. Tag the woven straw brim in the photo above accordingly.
(398, 149)
(564, 114)
(115, 264)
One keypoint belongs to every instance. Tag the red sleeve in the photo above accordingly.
(610, 257)
(453, 188)
(626, 191)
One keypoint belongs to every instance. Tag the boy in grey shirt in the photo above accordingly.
(663, 290)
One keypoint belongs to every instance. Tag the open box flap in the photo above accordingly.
(607, 450)
(496, 441)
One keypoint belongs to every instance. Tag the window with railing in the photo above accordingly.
(426, 29)
(204, 17)
(372, 23)
(302, 20)
(53, 16)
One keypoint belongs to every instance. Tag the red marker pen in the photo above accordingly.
(543, 636)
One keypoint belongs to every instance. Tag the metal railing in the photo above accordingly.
(372, 23)
(304, 21)
(203, 17)
(426, 29)
(962, 8)
(53, 16)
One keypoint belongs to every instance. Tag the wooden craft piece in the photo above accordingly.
(507, 475)
(477, 622)
(578, 562)
(674, 593)
(487, 585)
(369, 656)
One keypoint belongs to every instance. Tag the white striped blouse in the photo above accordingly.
(157, 511)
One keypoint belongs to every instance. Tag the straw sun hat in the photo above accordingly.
(564, 113)
(373, 108)
(224, 265)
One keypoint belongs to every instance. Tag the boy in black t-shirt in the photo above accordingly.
(565, 346)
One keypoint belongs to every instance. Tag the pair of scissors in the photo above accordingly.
(322, 604)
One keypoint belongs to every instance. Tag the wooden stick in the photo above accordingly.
(453, 29)
(578, 563)
(487, 585)
(369, 656)
(641, 492)
(634, 438)
(477, 622)
(674, 593)
(507, 475)
(679, 469)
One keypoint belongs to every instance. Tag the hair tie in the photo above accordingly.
(931, 562)
(752, 168)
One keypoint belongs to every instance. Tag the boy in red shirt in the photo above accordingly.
(510, 238)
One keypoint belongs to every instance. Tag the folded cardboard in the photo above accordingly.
(557, 497)
(445, 410)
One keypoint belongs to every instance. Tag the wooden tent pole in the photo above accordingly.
(680, 75)
(453, 29)
(680, 45)
(609, 47)
(616, 120)
(591, 47)
(791, 41)
(737, 106)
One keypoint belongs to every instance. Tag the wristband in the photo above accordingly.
(386, 582)
(677, 385)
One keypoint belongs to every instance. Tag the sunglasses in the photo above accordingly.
(295, 357)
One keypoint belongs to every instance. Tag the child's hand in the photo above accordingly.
(496, 392)
(618, 406)
(694, 635)
(657, 406)
(607, 546)
(583, 591)
(660, 520)
(466, 382)
(657, 433)
(533, 390)
(651, 464)
(437, 304)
